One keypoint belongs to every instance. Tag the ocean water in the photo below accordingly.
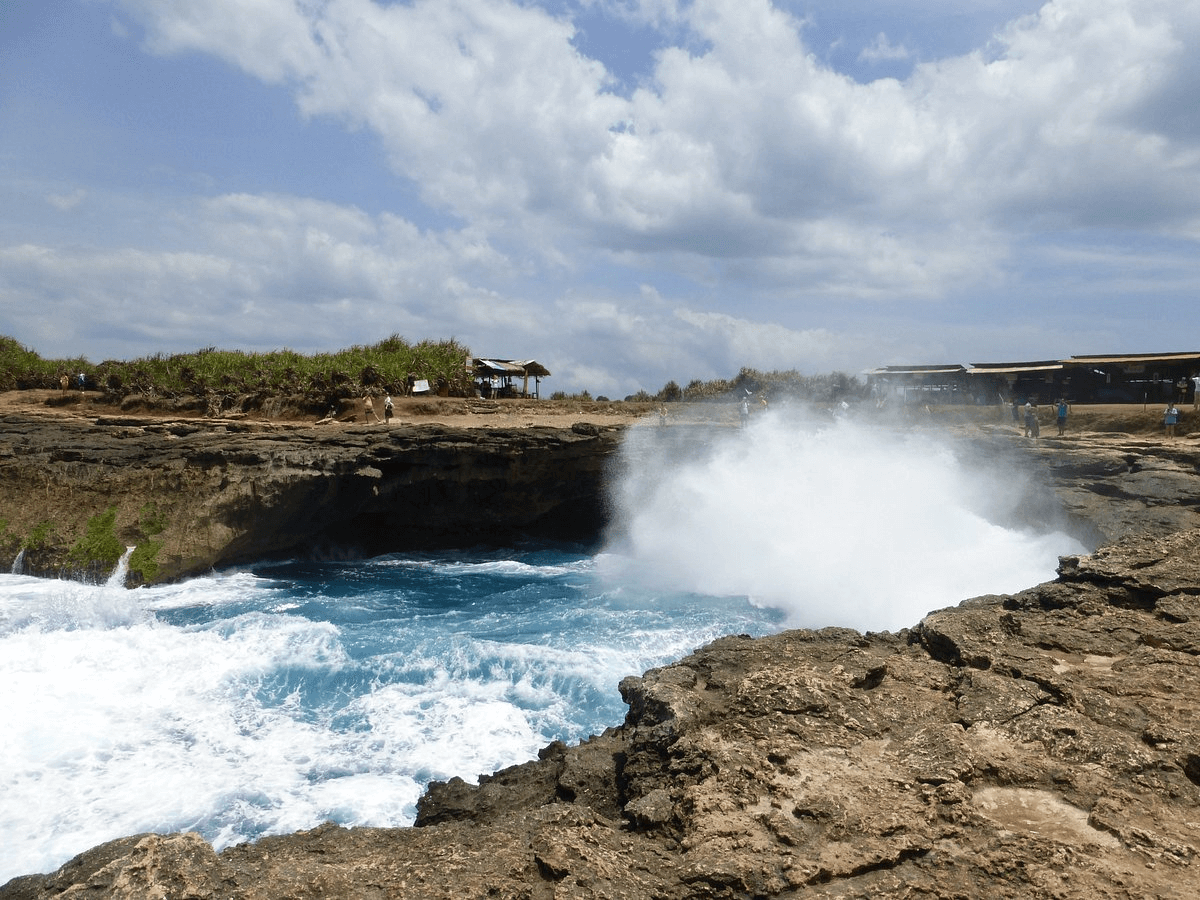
(272, 699)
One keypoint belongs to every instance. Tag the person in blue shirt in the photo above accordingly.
(1170, 418)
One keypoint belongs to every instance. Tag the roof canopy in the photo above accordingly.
(946, 369)
(522, 367)
(1138, 358)
(1014, 368)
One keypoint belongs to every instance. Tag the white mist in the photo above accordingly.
(832, 522)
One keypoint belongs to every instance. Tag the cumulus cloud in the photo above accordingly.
(266, 271)
(733, 148)
(730, 209)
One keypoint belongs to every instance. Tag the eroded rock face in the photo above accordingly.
(213, 494)
(1044, 744)
(1117, 485)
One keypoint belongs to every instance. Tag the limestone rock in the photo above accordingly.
(1040, 744)
(1044, 744)
(204, 494)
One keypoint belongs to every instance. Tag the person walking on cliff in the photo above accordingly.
(1170, 418)
(1031, 420)
(369, 408)
(388, 409)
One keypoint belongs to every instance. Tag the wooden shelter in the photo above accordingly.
(1040, 382)
(1134, 377)
(494, 377)
(1110, 378)
(918, 384)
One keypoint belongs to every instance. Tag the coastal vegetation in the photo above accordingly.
(143, 562)
(98, 550)
(321, 378)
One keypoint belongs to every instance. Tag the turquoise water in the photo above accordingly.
(274, 699)
(261, 702)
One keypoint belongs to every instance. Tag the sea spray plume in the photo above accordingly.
(834, 521)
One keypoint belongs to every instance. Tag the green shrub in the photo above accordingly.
(22, 369)
(790, 385)
(99, 543)
(152, 520)
(38, 537)
(319, 378)
(143, 561)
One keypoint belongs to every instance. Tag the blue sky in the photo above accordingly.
(631, 191)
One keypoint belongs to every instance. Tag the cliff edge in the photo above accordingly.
(191, 495)
(1040, 744)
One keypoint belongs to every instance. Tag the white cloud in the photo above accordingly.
(264, 270)
(68, 201)
(762, 197)
(765, 346)
(882, 50)
(737, 146)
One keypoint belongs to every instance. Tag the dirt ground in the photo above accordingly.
(1092, 419)
(452, 411)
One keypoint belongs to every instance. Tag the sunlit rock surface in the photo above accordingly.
(1041, 744)
(1045, 744)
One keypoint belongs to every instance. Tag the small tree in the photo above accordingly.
(670, 393)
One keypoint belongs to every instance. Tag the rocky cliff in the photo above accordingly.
(196, 494)
(1043, 744)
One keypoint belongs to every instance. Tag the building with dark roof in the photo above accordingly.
(1110, 378)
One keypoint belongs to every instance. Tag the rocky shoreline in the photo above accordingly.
(193, 495)
(1043, 744)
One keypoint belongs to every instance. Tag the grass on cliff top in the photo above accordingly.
(385, 366)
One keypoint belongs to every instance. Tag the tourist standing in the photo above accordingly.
(388, 409)
(1062, 409)
(369, 408)
(1170, 418)
(1031, 420)
(1196, 391)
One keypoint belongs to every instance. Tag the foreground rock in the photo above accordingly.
(1045, 744)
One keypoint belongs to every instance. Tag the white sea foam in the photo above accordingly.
(500, 567)
(833, 522)
(220, 589)
(206, 706)
(112, 723)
